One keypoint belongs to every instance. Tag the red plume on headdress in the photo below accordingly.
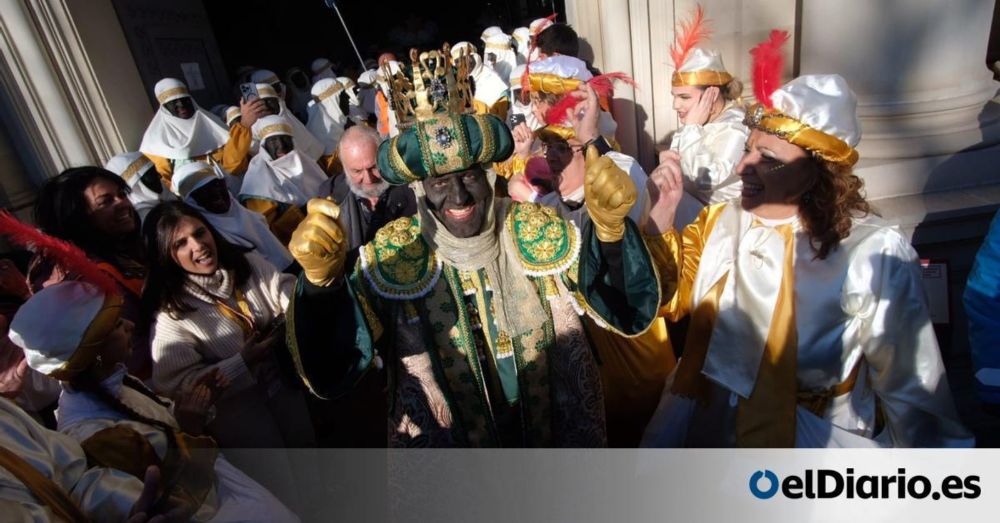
(687, 37)
(65, 254)
(767, 65)
(603, 85)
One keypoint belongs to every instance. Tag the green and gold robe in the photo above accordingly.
(453, 379)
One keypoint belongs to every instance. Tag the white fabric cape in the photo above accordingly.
(180, 139)
(292, 179)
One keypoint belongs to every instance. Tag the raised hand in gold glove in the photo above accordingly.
(610, 195)
(318, 243)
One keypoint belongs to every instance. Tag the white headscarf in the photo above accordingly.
(177, 138)
(366, 83)
(326, 120)
(322, 68)
(239, 225)
(499, 45)
(305, 141)
(292, 179)
(516, 107)
(522, 36)
(490, 87)
(357, 113)
(131, 167)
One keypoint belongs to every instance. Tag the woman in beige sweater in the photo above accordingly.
(221, 308)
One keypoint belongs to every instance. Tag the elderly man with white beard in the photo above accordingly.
(367, 202)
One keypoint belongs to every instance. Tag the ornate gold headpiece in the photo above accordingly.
(434, 87)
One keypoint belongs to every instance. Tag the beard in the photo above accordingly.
(367, 191)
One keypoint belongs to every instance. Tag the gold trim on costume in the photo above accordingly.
(397, 162)
(139, 164)
(552, 84)
(193, 180)
(165, 96)
(559, 131)
(704, 77)
(334, 89)
(276, 128)
(266, 91)
(270, 80)
(826, 146)
(489, 147)
(93, 339)
(498, 47)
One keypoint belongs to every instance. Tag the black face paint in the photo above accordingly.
(459, 200)
(182, 108)
(213, 197)
(151, 179)
(272, 105)
(344, 102)
(278, 146)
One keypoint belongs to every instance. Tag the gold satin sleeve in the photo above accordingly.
(235, 155)
(510, 167)
(677, 256)
(164, 167)
(281, 224)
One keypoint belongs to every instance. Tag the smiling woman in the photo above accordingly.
(221, 309)
(89, 207)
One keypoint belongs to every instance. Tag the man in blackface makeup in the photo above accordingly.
(473, 306)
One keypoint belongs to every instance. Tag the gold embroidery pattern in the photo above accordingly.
(443, 145)
(165, 96)
(278, 128)
(398, 263)
(546, 244)
(489, 147)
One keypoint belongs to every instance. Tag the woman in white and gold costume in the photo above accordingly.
(120, 423)
(709, 143)
(809, 326)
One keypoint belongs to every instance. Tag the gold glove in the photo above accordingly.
(318, 243)
(610, 195)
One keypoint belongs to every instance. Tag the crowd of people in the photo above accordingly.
(453, 250)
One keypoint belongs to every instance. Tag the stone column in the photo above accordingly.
(924, 91)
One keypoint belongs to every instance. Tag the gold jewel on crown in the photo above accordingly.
(435, 87)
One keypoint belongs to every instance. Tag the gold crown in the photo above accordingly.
(435, 87)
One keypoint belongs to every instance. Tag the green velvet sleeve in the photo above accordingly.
(331, 343)
(618, 281)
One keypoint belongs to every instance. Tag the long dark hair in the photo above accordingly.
(165, 284)
(62, 211)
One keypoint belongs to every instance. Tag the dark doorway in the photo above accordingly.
(279, 36)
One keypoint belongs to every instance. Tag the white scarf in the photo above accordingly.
(305, 140)
(292, 179)
(326, 121)
(245, 228)
(490, 86)
(754, 257)
(178, 139)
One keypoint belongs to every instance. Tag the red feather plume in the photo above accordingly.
(560, 110)
(603, 85)
(767, 65)
(687, 37)
(67, 255)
